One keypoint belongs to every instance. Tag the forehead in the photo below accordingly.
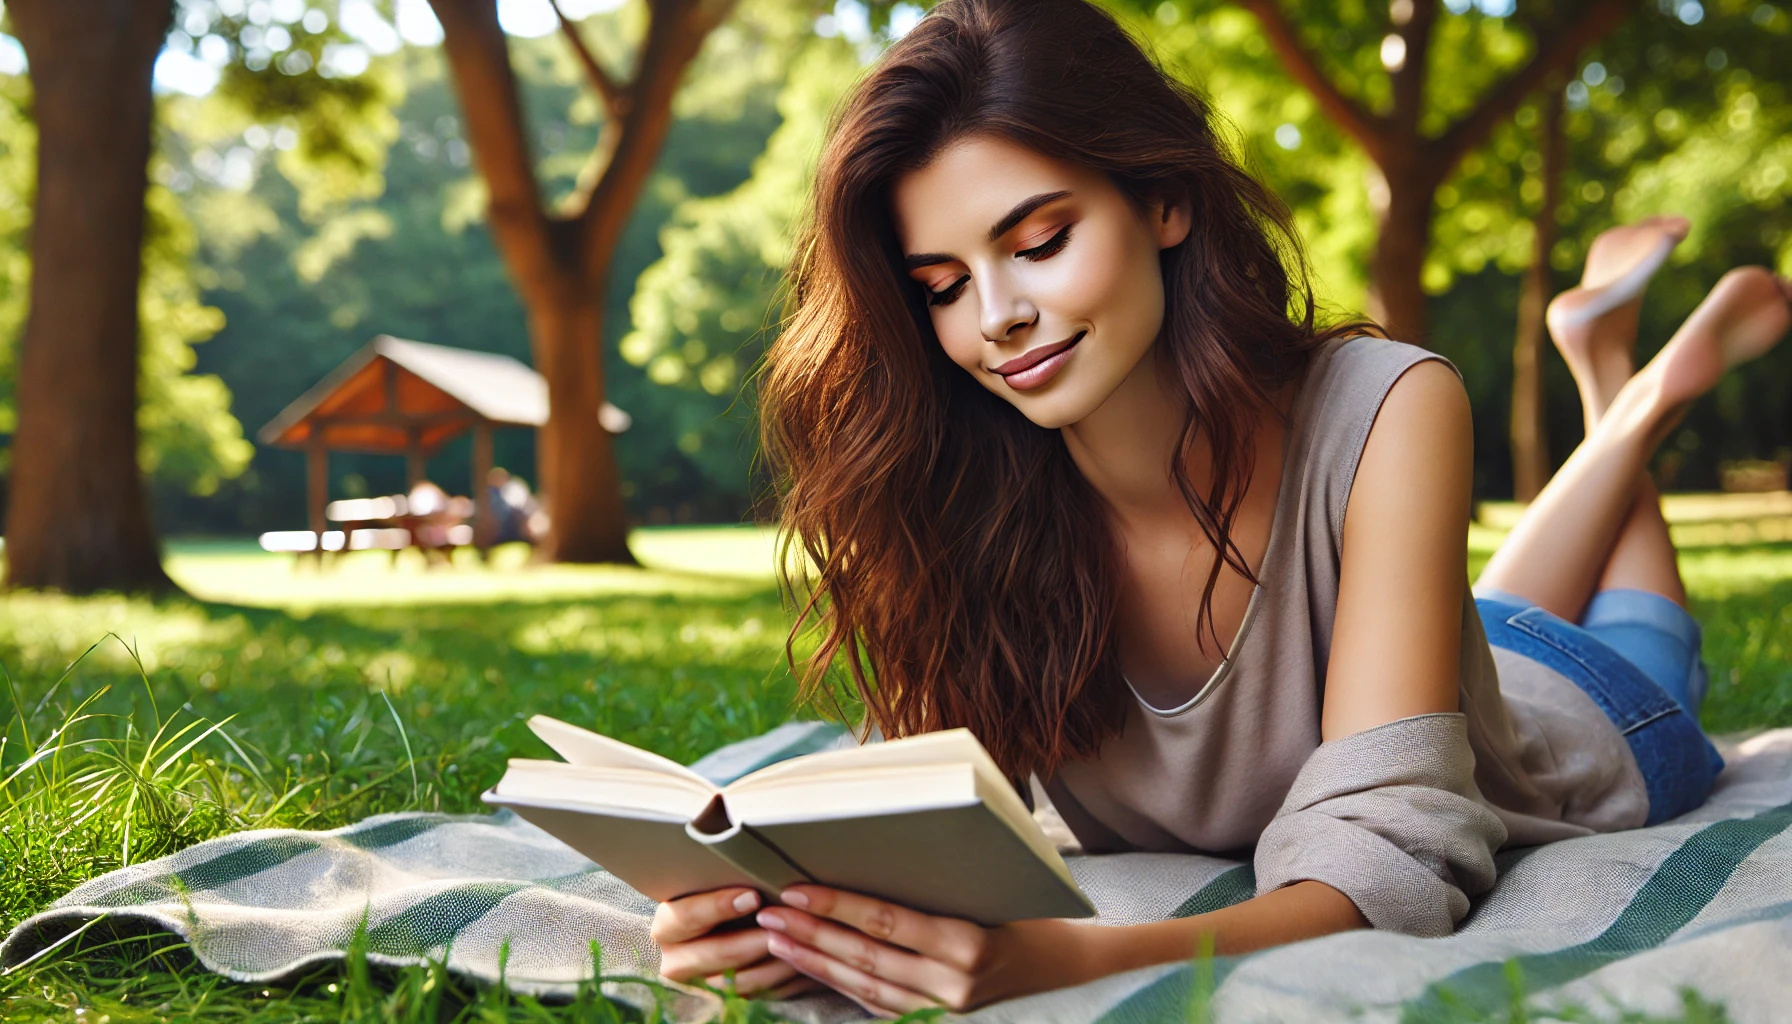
(952, 201)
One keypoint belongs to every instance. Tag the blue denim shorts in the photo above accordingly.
(1636, 654)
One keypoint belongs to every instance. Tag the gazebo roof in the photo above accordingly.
(395, 396)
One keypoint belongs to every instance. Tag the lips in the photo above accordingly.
(1034, 367)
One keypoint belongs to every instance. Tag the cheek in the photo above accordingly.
(960, 333)
(1113, 283)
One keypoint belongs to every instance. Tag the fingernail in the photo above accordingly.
(778, 944)
(795, 898)
(767, 919)
(746, 901)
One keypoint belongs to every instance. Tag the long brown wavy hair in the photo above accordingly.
(959, 567)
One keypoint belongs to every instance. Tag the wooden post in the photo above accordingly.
(317, 488)
(416, 462)
(484, 528)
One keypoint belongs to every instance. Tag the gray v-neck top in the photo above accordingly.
(1403, 818)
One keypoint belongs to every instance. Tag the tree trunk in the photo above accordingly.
(576, 455)
(1396, 268)
(78, 517)
(1530, 442)
(561, 261)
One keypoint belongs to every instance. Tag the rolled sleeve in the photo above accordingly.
(1391, 818)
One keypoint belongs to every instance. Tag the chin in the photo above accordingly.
(1054, 408)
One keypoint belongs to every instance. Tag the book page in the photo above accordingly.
(594, 750)
(949, 746)
(649, 794)
(854, 793)
(952, 746)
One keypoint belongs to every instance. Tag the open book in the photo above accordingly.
(928, 822)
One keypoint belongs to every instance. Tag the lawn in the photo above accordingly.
(325, 680)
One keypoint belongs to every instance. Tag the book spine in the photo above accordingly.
(753, 855)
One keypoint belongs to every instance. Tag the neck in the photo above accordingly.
(1125, 448)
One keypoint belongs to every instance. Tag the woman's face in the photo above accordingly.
(1042, 277)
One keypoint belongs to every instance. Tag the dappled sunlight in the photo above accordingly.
(53, 630)
(618, 630)
(1735, 570)
(706, 561)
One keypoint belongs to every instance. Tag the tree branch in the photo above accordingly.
(1595, 22)
(1369, 130)
(1409, 78)
(676, 30)
(614, 94)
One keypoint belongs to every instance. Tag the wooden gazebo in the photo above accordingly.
(397, 397)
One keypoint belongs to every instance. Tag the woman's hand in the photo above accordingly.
(689, 952)
(892, 960)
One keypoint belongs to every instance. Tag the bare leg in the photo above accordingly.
(1595, 327)
(1560, 548)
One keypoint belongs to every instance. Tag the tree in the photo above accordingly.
(1413, 158)
(77, 515)
(1530, 440)
(77, 512)
(560, 259)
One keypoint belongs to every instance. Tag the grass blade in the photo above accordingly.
(410, 759)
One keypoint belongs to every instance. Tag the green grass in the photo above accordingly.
(295, 666)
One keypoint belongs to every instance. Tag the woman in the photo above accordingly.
(1079, 472)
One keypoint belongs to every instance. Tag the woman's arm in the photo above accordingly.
(1396, 640)
(892, 960)
(1395, 649)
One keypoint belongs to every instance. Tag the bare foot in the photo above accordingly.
(1594, 325)
(1741, 319)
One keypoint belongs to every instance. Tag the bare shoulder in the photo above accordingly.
(1429, 396)
(1417, 468)
(1424, 424)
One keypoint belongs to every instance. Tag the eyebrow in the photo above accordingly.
(1001, 227)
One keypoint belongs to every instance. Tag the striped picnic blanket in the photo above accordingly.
(1624, 922)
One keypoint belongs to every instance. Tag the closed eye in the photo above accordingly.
(949, 294)
(1048, 248)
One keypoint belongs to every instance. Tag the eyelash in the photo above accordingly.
(1048, 248)
(1045, 250)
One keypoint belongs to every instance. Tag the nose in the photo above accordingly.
(1004, 310)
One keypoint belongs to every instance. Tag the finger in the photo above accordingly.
(875, 994)
(713, 954)
(761, 977)
(684, 919)
(795, 987)
(862, 953)
(951, 941)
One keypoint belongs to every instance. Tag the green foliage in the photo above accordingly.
(342, 124)
(188, 439)
(18, 152)
(701, 313)
(187, 436)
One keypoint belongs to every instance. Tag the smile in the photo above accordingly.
(1033, 368)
